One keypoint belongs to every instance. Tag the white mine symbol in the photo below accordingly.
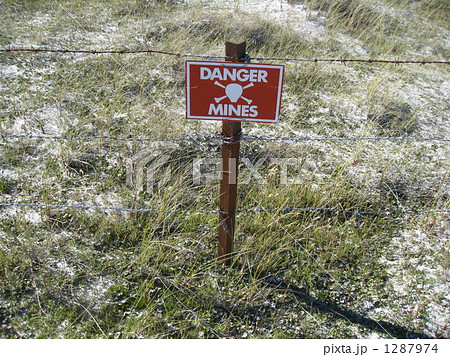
(233, 91)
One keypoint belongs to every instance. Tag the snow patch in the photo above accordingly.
(11, 71)
(93, 293)
(415, 273)
(64, 267)
(8, 174)
(30, 215)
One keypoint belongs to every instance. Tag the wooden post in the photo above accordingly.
(231, 131)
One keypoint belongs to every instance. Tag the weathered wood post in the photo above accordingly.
(231, 131)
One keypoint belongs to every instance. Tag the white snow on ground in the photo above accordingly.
(93, 293)
(30, 215)
(11, 71)
(65, 268)
(50, 120)
(8, 174)
(294, 16)
(297, 17)
(414, 264)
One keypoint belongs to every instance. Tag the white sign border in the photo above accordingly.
(234, 64)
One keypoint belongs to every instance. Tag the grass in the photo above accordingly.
(89, 273)
(382, 27)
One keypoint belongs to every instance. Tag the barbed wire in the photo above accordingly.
(219, 138)
(339, 210)
(252, 138)
(112, 138)
(240, 211)
(99, 52)
(189, 55)
(106, 208)
(348, 60)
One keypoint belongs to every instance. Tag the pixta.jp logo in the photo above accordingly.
(149, 170)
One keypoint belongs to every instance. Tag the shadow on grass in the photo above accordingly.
(314, 304)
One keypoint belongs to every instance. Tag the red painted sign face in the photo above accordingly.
(233, 91)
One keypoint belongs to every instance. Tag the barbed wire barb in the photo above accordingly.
(240, 211)
(218, 138)
(189, 55)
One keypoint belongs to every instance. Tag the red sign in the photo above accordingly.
(233, 91)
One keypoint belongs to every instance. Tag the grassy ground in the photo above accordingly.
(310, 274)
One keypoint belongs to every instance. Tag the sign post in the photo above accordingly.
(234, 92)
(231, 131)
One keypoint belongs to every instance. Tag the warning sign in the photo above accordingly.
(233, 91)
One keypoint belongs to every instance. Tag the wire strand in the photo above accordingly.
(252, 138)
(248, 138)
(189, 55)
(240, 211)
(112, 138)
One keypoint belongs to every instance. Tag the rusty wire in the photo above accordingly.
(188, 55)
